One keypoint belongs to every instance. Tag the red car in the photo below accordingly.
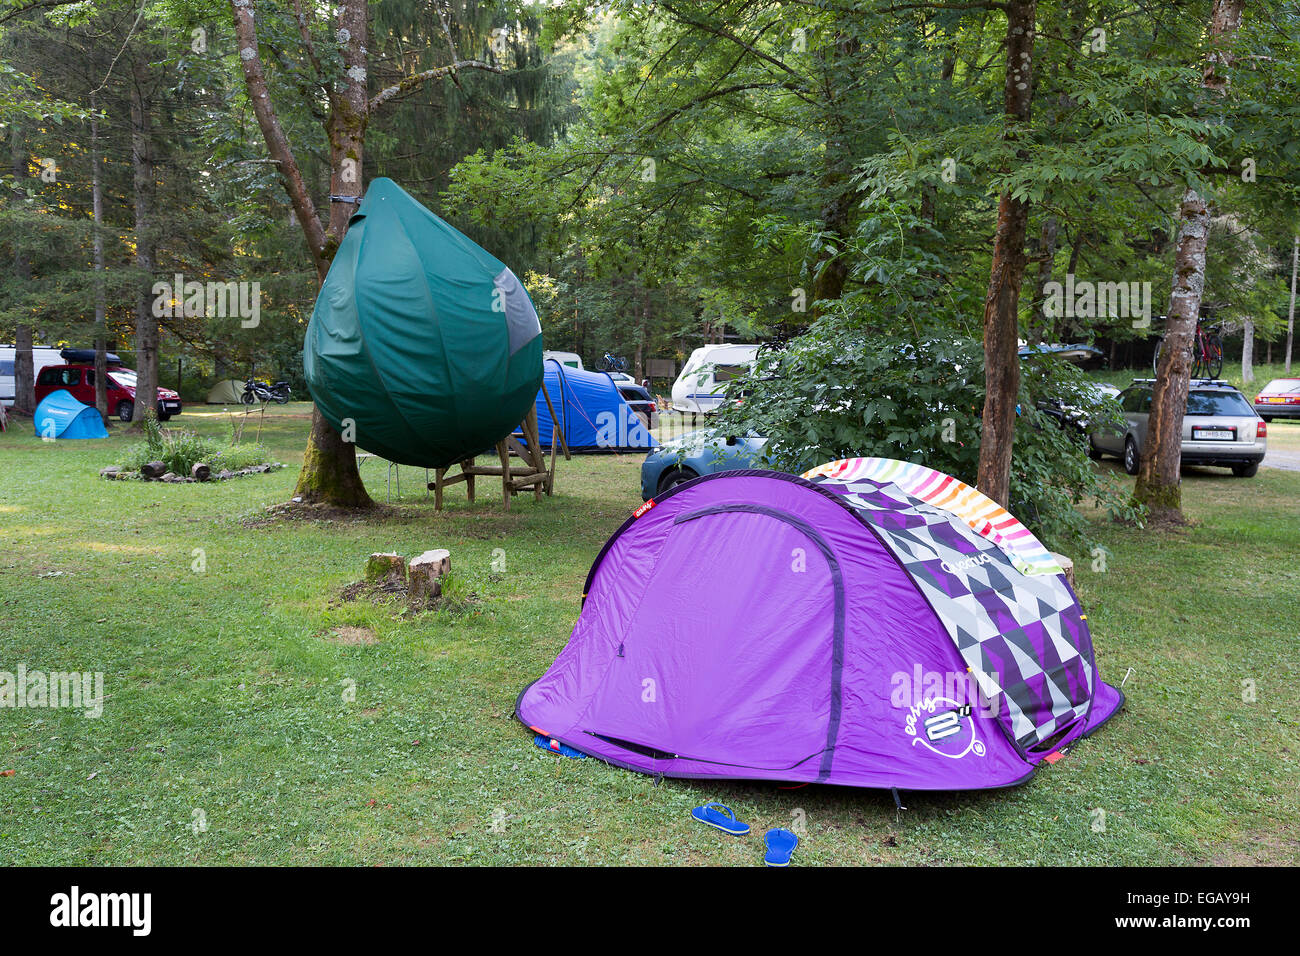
(79, 379)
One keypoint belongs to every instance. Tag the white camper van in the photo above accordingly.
(41, 357)
(705, 376)
(571, 359)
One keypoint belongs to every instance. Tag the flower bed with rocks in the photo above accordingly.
(157, 471)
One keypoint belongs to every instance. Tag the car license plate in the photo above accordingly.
(1213, 434)
(1274, 400)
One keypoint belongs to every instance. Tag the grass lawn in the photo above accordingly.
(229, 734)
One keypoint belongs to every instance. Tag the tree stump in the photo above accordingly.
(1067, 566)
(153, 469)
(426, 573)
(200, 472)
(387, 568)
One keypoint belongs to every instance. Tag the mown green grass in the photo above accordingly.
(227, 697)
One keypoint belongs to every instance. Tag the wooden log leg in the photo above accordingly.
(466, 466)
(550, 477)
(503, 452)
(537, 463)
(556, 425)
(437, 488)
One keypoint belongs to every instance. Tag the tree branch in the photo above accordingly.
(409, 83)
(277, 143)
(18, 11)
(304, 31)
(725, 34)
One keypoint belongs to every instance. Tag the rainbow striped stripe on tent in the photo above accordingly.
(984, 516)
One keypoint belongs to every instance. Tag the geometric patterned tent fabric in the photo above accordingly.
(1022, 635)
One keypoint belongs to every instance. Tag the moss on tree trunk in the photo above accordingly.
(329, 469)
(1164, 501)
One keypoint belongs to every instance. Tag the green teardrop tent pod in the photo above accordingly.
(426, 342)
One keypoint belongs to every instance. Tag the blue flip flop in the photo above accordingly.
(720, 818)
(780, 846)
(552, 745)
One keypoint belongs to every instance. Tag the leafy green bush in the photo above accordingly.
(180, 449)
(843, 392)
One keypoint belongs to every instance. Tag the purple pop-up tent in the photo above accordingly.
(873, 623)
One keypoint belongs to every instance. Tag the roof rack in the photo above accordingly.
(1199, 382)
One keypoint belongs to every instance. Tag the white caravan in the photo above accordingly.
(705, 376)
(41, 357)
(571, 359)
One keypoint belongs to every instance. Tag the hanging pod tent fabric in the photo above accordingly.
(873, 623)
(227, 391)
(59, 415)
(422, 345)
(593, 415)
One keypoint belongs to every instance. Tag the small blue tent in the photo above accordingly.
(62, 416)
(592, 413)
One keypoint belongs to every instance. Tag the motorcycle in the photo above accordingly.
(255, 391)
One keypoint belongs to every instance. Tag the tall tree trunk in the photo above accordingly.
(1045, 252)
(24, 367)
(1290, 313)
(101, 332)
(329, 470)
(639, 360)
(1061, 328)
(1248, 352)
(1158, 483)
(329, 465)
(146, 323)
(24, 377)
(1002, 304)
(832, 269)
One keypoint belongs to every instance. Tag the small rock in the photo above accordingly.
(110, 472)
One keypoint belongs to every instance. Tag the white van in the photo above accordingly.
(571, 359)
(41, 357)
(705, 376)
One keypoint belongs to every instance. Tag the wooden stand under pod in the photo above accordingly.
(522, 464)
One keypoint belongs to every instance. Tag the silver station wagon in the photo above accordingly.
(1220, 427)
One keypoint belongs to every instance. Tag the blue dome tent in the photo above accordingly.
(592, 413)
(60, 415)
